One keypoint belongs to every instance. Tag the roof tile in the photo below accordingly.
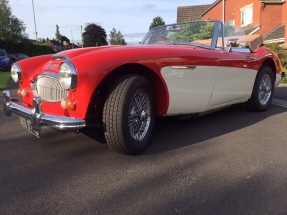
(276, 33)
(185, 13)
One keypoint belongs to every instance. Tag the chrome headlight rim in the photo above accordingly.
(16, 72)
(70, 82)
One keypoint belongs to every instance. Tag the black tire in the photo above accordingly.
(263, 90)
(123, 118)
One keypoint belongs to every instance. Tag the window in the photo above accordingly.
(246, 15)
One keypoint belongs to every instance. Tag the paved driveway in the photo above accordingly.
(230, 162)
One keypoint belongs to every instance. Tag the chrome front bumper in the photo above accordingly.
(37, 117)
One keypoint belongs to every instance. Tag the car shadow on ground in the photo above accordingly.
(171, 133)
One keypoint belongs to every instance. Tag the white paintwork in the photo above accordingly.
(233, 85)
(194, 89)
(190, 89)
(277, 80)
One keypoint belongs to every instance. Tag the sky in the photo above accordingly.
(131, 17)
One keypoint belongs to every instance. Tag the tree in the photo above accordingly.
(157, 21)
(192, 31)
(64, 38)
(57, 34)
(116, 38)
(281, 53)
(12, 29)
(94, 35)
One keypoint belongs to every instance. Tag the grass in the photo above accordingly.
(4, 79)
(284, 80)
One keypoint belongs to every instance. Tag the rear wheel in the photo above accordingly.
(128, 115)
(263, 90)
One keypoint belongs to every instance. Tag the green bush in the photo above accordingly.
(284, 80)
(281, 53)
(33, 49)
(27, 47)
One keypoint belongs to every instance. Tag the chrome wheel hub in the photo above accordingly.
(265, 89)
(139, 115)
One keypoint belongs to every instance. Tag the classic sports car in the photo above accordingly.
(178, 70)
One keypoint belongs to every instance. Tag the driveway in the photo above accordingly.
(229, 162)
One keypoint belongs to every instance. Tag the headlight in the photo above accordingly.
(68, 75)
(16, 72)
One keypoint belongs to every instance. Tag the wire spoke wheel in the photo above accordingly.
(129, 114)
(139, 115)
(265, 87)
(263, 90)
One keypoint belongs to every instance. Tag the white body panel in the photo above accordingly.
(189, 89)
(233, 85)
(278, 79)
(195, 89)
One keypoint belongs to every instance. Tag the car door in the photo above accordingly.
(191, 84)
(235, 78)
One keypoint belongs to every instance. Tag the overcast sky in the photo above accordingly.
(128, 16)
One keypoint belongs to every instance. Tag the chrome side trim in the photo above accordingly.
(37, 117)
(183, 67)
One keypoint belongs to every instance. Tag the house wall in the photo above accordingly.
(216, 11)
(270, 16)
(232, 11)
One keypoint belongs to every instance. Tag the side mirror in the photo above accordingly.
(232, 43)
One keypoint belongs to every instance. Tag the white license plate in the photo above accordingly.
(26, 123)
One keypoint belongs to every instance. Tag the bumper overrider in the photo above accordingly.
(37, 117)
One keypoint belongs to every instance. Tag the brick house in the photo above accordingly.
(55, 44)
(266, 17)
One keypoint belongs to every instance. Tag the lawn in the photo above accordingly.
(4, 79)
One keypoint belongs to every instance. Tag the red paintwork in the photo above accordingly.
(94, 64)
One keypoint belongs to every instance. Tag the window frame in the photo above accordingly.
(246, 15)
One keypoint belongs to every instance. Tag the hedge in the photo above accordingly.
(27, 47)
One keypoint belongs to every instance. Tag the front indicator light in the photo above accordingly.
(22, 92)
(68, 104)
(19, 92)
(63, 104)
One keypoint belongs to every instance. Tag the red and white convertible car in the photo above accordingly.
(180, 69)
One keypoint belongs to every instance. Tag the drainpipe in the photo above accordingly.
(223, 11)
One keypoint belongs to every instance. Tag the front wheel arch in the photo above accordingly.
(271, 64)
(157, 84)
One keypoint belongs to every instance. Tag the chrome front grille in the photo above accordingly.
(49, 88)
